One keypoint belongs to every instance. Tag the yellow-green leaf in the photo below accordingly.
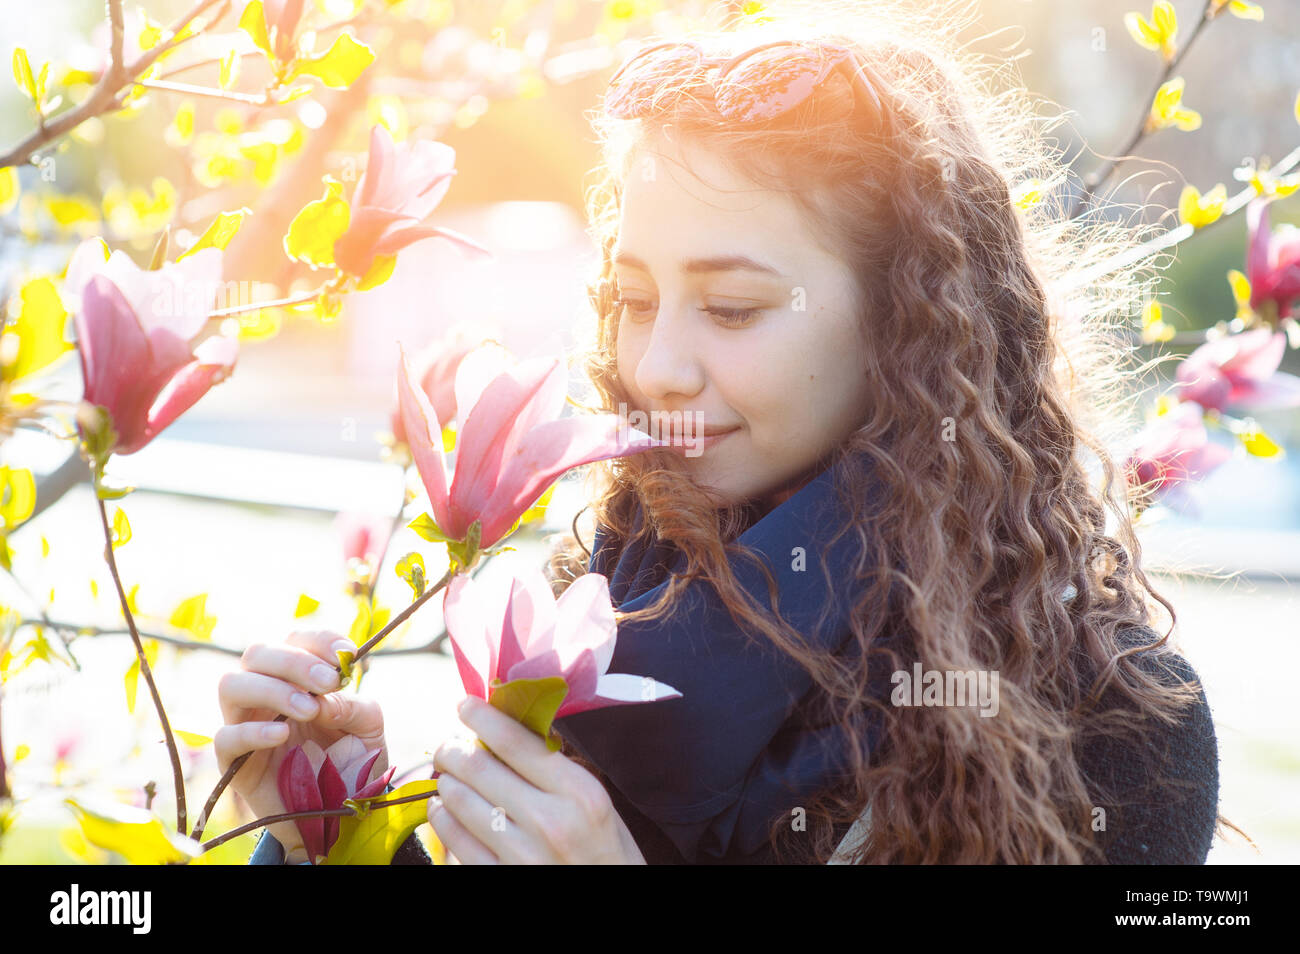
(191, 616)
(359, 632)
(137, 835)
(1259, 444)
(23, 74)
(381, 270)
(219, 234)
(253, 22)
(339, 66)
(306, 606)
(425, 527)
(229, 73)
(373, 838)
(411, 569)
(318, 226)
(40, 325)
(133, 671)
(1199, 210)
(121, 528)
(193, 739)
(8, 189)
(17, 496)
(1246, 10)
(532, 702)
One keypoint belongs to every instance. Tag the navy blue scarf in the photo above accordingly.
(713, 769)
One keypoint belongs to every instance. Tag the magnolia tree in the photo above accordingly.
(157, 326)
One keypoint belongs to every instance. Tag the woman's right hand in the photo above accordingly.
(275, 679)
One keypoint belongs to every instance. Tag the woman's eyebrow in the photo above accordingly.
(717, 263)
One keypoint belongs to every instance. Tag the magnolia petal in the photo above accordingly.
(378, 167)
(548, 451)
(425, 172)
(621, 689)
(333, 791)
(112, 345)
(476, 370)
(87, 261)
(586, 620)
(424, 436)
(1257, 355)
(315, 754)
(1278, 391)
(582, 676)
(1258, 230)
(300, 792)
(466, 243)
(403, 233)
(347, 754)
(376, 786)
(358, 780)
(462, 613)
(213, 360)
(512, 405)
(511, 645)
(539, 666)
(356, 248)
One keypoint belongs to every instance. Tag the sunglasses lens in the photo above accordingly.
(643, 80)
(772, 81)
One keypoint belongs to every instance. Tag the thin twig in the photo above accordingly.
(315, 813)
(208, 91)
(1099, 176)
(177, 774)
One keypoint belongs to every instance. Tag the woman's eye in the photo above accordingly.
(732, 317)
(637, 308)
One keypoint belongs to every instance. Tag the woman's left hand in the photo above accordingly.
(521, 803)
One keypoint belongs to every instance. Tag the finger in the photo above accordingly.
(489, 824)
(492, 779)
(232, 741)
(350, 715)
(517, 746)
(242, 693)
(304, 669)
(456, 839)
(324, 644)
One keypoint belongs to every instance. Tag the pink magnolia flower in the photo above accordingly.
(311, 779)
(1240, 370)
(539, 636)
(402, 185)
(1173, 450)
(1272, 260)
(436, 368)
(513, 443)
(362, 534)
(282, 18)
(135, 334)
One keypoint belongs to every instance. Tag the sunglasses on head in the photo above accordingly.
(758, 84)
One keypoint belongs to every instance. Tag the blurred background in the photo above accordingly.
(237, 499)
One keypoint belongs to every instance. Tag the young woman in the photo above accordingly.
(810, 247)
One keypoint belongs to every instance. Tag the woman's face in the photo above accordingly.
(736, 319)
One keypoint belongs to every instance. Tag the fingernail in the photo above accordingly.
(343, 646)
(302, 704)
(324, 676)
(275, 732)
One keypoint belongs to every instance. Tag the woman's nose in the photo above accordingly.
(670, 363)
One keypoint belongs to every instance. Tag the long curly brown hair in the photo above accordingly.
(993, 369)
